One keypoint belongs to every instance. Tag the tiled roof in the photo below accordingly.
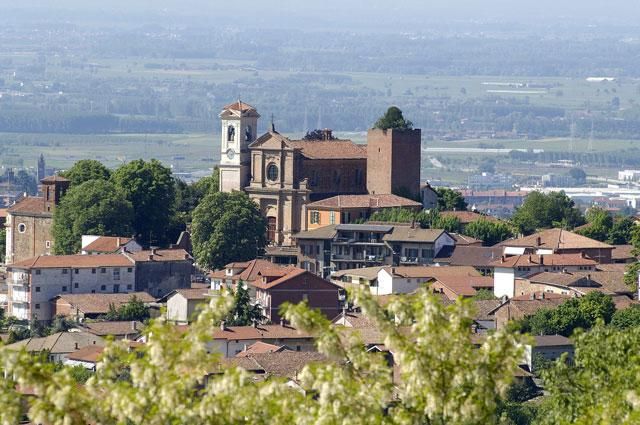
(527, 305)
(260, 347)
(291, 273)
(463, 240)
(240, 106)
(99, 303)
(59, 343)
(160, 255)
(193, 293)
(53, 179)
(88, 354)
(465, 286)
(544, 260)
(476, 256)
(286, 364)
(622, 252)
(73, 261)
(466, 217)
(116, 328)
(107, 244)
(551, 340)
(484, 309)
(331, 149)
(29, 205)
(325, 232)
(354, 319)
(436, 272)
(409, 234)
(556, 239)
(258, 267)
(368, 273)
(259, 332)
(364, 201)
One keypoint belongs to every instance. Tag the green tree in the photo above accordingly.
(227, 227)
(134, 309)
(450, 200)
(626, 318)
(3, 242)
(631, 275)
(150, 188)
(85, 170)
(25, 182)
(393, 119)
(95, 207)
(484, 294)
(244, 312)
(541, 211)
(599, 224)
(489, 232)
(621, 231)
(601, 385)
(447, 222)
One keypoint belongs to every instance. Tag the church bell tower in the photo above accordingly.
(239, 126)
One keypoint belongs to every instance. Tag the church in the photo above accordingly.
(283, 176)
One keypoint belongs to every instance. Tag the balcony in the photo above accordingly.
(409, 260)
(21, 279)
(19, 296)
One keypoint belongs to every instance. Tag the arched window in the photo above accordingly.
(248, 134)
(231, 133)
(272, 172)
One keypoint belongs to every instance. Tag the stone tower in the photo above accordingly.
(41, 168)
(53, 189)
(239, 125)
(393, 162)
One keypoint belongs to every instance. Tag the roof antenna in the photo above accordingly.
(273, 125)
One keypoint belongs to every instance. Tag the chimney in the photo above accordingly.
(326, 134)
(134, 325)
(154, 250)
(589, 277)
(76, 346)
(254, 323)
(529, 257)
(502, 259)
(222, 327)
(542, 260)
(186, 256)
(538, 241)
(150, 257)
(282, 322)
(118, 242)
(582, 255)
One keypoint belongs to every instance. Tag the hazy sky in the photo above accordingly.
(336, 13)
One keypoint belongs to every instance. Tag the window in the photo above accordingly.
(129, 269)
(47, 244)
(38, 272)
(93, 291)
(332, 217)
(272, 172)
(76, 271)
(37, 306)
(22, 227)
(116, 274)
(315, 217)
(64, 288)
(231, 133)
(65, 271)
(93, 271)
(37, 289)
(129, 287)
(75, 285)
(103, 270)
(103, 288)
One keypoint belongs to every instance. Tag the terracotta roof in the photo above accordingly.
(622, 252)
(529, 304)
(465, 286)
(331, 149)
(117, 328)
(58, 343)
(29, 205)
(544, 260)
(364, 201)
(257, 268)
(53, 179)
(368, 273)
(466, 217)
(286, 364)
(73, 261)
(409, 234)
(99, 303)
(484, 309)
(463, 240)
(260, 347)
(107, 244)
(192, 293)
(290, 274)
(354, 319)
(88, 354)
(160, 255)
(239, 106)
(476, 256)
(436, 272)
(556, 239)
(259, 332)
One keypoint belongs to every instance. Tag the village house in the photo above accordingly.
(246, 271)
(348, 246)
(549, 347)
(160, 271)
(481, 258)
(525, 305)
(231, 340)
(121, 329)
(183, 304)
(95, 245)
(346, 209)
(261, 348)
(59, 345)
(507, 269)
(81, 306)
(559, 241)
(295, 286)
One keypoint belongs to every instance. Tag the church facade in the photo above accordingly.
(282, 175)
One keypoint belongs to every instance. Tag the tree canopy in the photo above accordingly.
(85, 170)
(244, 312)
(393, 119)
(150, 188)
(489, 232)
(450, 200)
(134, 309)
(227, 227)
(540, 211)
(95, 207)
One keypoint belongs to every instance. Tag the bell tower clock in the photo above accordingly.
(239, 125)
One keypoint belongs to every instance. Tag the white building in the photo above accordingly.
(34, 282)
(629, 175)
(183, 304)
